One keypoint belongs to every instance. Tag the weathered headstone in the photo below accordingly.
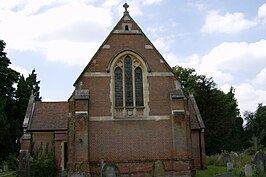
(226, 158)
(77, 174)
(259, 162)
(230, 166)
(158, 169)
(248, 170)
(5, 167)
(225, 175)
(110, 170)
(27, 159)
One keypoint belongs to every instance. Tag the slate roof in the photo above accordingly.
(49, 116)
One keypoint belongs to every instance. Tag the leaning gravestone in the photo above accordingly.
(158, 169)
(248, 170)
(259, 162)
(230, 166)
(225, 175)
(110, 170)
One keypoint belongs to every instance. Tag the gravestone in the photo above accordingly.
(26, 161)
(226, 158)
(110, 170)
(259, 162)
(248, 170)
(230, 166)
(158, 169)
(224, 175)
(77, 174)
(5, 167)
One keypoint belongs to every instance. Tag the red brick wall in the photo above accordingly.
(159, 95)
(99, 101)
(120, 42)
(130, 140)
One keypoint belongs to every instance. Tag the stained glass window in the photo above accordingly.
(138, 87)
(128, 81)
(118, 87)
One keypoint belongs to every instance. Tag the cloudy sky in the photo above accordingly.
(223, 39)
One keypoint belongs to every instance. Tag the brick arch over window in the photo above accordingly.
(129, 86)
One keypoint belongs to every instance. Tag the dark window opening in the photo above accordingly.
(126, 28)
(65, 155)
(139, 87)
(118, 87)
(128, 82)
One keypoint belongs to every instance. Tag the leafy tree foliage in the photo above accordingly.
(13, 103)
(256, 125)
(219, 111)
(8, 77)
(25, 88)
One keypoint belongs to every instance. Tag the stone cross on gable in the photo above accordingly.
(126, 7)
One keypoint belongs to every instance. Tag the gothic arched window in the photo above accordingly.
(128, 86)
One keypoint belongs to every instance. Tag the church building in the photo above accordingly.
(127, 111)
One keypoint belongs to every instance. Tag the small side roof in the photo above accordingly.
(196, 121)
(49, 116)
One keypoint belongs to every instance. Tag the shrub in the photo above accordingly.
(13, 162)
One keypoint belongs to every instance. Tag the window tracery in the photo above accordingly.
(128, 87)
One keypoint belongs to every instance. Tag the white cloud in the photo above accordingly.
(236, 56)
(197, 5)
(261, 77)
(150, 2)
(73, 53)
(20, 70)
(228, 23)
(226, 60)
(248, 97)
(262, 13)
(163, 43)
(61, 32)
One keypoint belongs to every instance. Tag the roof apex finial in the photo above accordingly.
(126, 7)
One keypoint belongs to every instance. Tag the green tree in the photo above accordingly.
(25, 88)
(255, 126)
(8, 121)
(13, 103)
(219, 110)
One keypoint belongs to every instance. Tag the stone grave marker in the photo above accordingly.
(77, 174)
(158, 169)
(226, 158)
(259, 162)
(5, 167)
(248, 170)
(110, 170)
(230, 166)
(27, 159)
(225, 175)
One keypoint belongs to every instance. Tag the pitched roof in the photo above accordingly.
(49, 116)
(196, 121)
(136, 30)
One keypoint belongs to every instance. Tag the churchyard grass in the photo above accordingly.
(211, 171)
(8, 174)
(216, 165)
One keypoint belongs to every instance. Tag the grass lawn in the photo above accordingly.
(211, 171)
(8, 174)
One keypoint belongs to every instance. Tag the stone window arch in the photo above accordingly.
(129, 86)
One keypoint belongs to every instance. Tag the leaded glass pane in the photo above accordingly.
(118, 87)
(139, 87)
(128, 81)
